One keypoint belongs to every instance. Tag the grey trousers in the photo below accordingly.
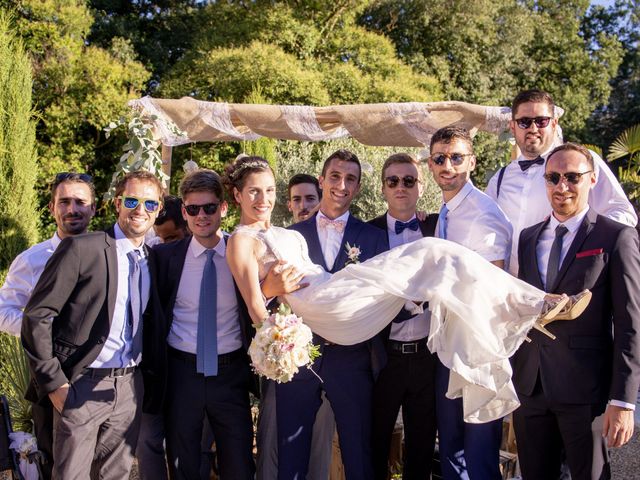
(267, 437)
(95, 435)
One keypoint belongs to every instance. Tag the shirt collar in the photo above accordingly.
(197, 249)
(460, 196)
(123, 244)
(391, 222)
(55, 240)
(572, 224)
(344, 217)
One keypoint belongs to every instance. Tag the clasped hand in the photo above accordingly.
(282, 279)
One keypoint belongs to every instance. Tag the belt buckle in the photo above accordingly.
(409, 347)
(119, 372)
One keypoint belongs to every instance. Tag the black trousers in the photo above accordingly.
(545, 428)
(43, 428)
(223, 400)
(407, 381)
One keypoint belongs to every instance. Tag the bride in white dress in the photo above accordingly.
(479, 313)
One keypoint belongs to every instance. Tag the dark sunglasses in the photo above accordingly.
(554, 178)
(131, 203)
(525, 122)
(209, 209)
(408, 181)
(456, 159)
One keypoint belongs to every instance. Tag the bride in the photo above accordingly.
(479, 313)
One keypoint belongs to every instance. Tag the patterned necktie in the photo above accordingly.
(526, 164)
(135, 303)
(337, 225)
(554, 257)
(207, 345)
(402, 226)
(442, 222)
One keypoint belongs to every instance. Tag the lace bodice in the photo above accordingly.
(277, 243)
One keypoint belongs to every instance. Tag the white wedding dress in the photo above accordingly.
(479, 313)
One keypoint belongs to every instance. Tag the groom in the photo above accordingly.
(345, 373)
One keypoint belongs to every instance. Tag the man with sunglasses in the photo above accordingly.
(72, 205)
(472, 219)
(207, 337)
(83, 334)
(519, 188)
(408, 378)
(593, 364)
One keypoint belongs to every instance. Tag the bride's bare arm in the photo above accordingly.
(243, 263)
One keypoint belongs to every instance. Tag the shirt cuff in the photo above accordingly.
(412, 308)
(619, 403)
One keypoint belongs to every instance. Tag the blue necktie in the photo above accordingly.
(207, 347)
(442, 222)
(411, 225)
(526, 164)
(135, 304)
(553, 267)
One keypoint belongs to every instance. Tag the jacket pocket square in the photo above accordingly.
(589, 253)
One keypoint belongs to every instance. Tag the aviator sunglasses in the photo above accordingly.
(408, 181)
(525, 122)
(209, 209)
(457, 159)
(131, 203)
(573, 178)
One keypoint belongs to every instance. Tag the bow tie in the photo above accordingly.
(337, 225)
(526, 164)
(411, 225)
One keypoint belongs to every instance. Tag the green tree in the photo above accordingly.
(18, 214)
(79, 88)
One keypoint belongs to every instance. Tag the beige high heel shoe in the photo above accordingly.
(565, 308)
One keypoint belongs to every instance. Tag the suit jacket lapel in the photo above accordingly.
(581, 235)
(350, 235)
(532, 257)
(174, 273)
(111, 256)
(428, 227)
(309, 231)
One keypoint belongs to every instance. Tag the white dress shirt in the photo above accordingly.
(523, 198)
(416, 327)
(330, 238)
(475, 221)
(24, 272)
(183, 334)
(117, 351)
(543, 251)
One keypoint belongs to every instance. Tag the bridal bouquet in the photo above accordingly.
(282, 345)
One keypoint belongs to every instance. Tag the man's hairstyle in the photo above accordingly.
(576, 147)
(172, 211)
(397, 158)
(449, 134)
(300, 178)
(533, 96)
(345, 156)
(73, 177)
(202, 180)
(141, 176)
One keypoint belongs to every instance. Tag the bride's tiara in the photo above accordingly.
(246, 165)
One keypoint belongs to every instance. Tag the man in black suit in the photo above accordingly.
(208, 333)
(408, 378)
(87, 338)
(593, 365)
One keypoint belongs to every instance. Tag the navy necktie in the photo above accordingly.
(411, 225)
(553, 267)
(526, 164)
(135, 303)
(442, 222)
(207, 345)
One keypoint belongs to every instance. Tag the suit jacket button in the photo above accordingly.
(101, 340)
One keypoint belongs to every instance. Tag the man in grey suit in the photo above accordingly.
(593, 364)
(83, 333)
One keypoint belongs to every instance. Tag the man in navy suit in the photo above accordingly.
(346, 371)
(593, 365)
(208, 368)
(408, 378)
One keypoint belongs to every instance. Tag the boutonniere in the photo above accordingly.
(353, 253)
